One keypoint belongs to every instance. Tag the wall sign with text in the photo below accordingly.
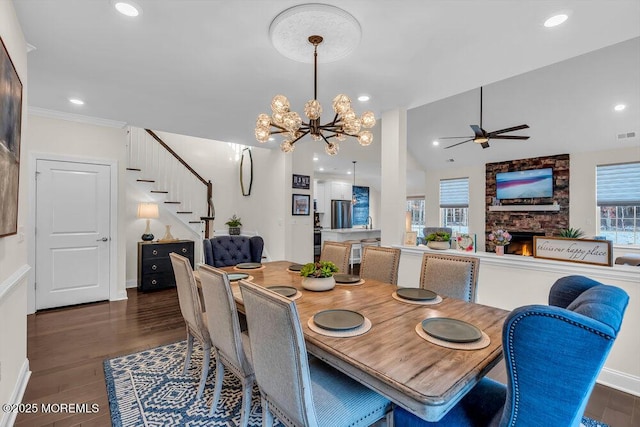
(598, 252)
(302, 182)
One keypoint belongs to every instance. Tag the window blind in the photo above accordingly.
(618, 185)
(454, 193)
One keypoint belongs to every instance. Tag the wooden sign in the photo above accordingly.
(598, 252)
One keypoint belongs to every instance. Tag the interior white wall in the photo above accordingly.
(14, 366)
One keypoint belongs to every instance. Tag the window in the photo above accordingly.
(618, 200)
(415, 206)
(454, 204)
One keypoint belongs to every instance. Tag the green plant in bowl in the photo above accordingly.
(438, 236)
(318, 269)
(572, 233)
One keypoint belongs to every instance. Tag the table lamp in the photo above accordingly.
(148, 211)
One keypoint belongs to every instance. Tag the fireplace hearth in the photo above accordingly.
(522, 243)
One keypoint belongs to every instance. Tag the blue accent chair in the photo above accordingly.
(553, 355)
(225, 251)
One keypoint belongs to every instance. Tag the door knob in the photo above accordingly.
(104, 239)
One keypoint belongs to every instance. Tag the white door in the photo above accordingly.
(72, 233)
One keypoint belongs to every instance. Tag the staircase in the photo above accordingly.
(166, 179)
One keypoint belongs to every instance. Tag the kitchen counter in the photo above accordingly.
(343, 234)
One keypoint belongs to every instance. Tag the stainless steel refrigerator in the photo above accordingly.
(341, 214)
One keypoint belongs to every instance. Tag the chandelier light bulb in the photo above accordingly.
(280, 104)
(263, 121)
(313, 109)
(368, 119)
(331, 148)
(365, 138)
(287, 146)
(262, 134)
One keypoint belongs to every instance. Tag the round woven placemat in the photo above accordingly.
(359, 282)
(250, 278)
(249, 269)
(436, 300)
(340, 334)
(476, 345)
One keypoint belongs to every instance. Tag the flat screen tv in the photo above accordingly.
(527, 184)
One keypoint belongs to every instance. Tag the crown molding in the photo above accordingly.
(53, 114)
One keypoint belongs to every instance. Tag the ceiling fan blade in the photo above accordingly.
(509, 137)
(454, 137)
(458, 143)
(497, 132)
(477, 130)
(484, 145)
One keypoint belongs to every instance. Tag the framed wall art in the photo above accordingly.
(300, 204)
(303, 182)
(10, 128)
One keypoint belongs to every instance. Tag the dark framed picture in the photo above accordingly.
(302, 182)
(10, 127)
(300, 204)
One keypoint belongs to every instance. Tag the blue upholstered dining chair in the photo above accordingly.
(553, 355)
(193, 314)
(299, 391)
(232, 346)
(225, 251)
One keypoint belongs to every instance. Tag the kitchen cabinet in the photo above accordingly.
(319, 189)
(340, 190)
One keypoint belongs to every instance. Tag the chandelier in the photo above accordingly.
(291, 126)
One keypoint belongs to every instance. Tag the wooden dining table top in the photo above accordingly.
(391, 357)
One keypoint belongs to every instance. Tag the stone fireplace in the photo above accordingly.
(525, 218)
(521, 243)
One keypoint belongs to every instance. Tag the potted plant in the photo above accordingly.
(438, 240)
(572, 233)
(318, 276)
(234, 225)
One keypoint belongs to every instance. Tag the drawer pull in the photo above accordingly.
(154, 282)
(184, 250)
(155, 252)
(154, 267)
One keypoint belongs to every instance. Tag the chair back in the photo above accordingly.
(454, 276)
(222, 318)
(338, 253)
(578, 328)
(279, 354)
(225, 251)
(380, 263)
(188, 297)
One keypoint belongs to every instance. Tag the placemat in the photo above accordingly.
(477, 345)
(360, 282)
(250, 278)
(293, 271)
(244, 270)
(436, 300)
(340, 334)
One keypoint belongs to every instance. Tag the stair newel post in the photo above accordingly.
(210, 212)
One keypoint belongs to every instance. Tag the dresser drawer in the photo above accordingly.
(163, 250)
(157, 281)
(157, 265)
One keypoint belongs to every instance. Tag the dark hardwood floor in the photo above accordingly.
(66, 348)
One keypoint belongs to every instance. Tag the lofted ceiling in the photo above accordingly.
(207, 68)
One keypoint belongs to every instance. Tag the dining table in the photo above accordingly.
(392, 358)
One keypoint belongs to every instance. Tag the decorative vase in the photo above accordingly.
(438, 245)
(168, 237)
(234, 231)
(318, 283)
(499, 250)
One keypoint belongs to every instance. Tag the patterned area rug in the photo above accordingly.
(149, 389)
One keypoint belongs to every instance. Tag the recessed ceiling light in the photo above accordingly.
(363, 98)
(321, 169)
(436, 143)
(272, 139)
(555, 20)
(348, 172)
(619, 107)
(315, 158)
(127, 7)
(76, 101)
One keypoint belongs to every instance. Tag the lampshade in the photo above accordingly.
(148, 210)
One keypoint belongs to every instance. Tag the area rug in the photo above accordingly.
(148, 389)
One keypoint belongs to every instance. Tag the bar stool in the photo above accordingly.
(356, 252)
(369, 242)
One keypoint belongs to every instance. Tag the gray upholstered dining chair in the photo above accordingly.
(193, 315)
(380, 263)
(454, 276)
(232, 346)
(299, 391)
(338, 253)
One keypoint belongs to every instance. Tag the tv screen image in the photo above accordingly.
(527, 184)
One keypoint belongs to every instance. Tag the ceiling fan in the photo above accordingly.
(482, 137)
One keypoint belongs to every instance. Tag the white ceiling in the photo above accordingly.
(207, 68)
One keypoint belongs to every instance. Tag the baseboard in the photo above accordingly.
(620, 381)
(9, 418)
(131, 283)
